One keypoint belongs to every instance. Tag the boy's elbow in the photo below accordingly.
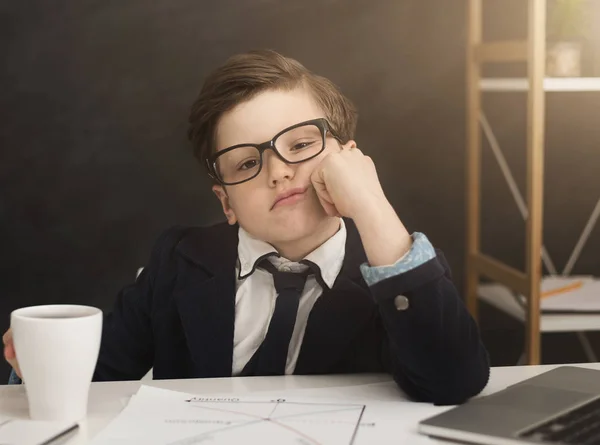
(451, 385)
(462, 386)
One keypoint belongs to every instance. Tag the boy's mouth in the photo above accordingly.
(290, 196)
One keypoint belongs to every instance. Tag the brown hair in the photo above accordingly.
(243, 76)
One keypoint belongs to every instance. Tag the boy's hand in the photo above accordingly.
(346, 183)
(9, 352)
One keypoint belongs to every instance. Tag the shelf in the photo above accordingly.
(502, 299)
(551, 84)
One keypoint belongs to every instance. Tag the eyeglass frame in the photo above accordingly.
(321, 123)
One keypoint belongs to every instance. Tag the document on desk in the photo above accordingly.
(32, 432)
(160, 417)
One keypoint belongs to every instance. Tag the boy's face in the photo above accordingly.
(252, 203)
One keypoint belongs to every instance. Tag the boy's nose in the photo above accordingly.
(277, 169)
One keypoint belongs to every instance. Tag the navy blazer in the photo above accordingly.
(178, 317)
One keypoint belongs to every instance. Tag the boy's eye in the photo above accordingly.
(301, 145)
(251, 163)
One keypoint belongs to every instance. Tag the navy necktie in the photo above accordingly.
(271, 356)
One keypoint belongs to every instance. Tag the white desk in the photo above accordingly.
(106, 399)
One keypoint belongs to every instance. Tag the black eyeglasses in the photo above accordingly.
(295, 144)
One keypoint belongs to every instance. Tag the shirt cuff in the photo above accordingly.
(420, 252)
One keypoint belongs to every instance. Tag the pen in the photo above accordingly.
(62, 434)
(559, 290)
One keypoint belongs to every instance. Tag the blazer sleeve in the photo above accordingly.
(433, 347)
(127, 346)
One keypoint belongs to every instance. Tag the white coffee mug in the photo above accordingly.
(57, 349)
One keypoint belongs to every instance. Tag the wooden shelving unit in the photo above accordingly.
(508, 280)
(532, 52)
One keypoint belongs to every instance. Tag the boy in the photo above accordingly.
(313, 272)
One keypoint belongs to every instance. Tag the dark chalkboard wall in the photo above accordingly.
(94, 160)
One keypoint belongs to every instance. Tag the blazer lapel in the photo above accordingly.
(205, 298)
(339, 314)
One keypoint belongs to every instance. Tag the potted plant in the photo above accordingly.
(567, 23)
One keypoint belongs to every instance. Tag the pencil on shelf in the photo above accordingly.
(562, 289)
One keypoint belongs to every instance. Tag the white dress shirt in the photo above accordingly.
(256, 294)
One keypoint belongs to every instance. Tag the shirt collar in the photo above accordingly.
(329, 256)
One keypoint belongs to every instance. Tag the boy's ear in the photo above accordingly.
(350, 144)
(227, 210)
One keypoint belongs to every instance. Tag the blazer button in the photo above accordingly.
(401, 303)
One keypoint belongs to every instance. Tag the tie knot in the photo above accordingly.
(286, 280)
(290, 281)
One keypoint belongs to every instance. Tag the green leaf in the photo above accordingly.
(567, 19)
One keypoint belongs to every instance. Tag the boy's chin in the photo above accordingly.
(297, 228)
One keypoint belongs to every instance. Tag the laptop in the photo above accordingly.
(561, 406)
